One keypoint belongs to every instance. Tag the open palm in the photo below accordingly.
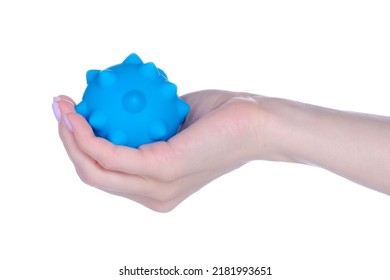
(219, 135)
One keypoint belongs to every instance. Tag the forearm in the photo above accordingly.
(353, 145)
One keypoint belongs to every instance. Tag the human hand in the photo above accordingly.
(220, 134)
(223, 131)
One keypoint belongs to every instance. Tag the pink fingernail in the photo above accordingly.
(56, 110)
(56, 99)
(68, 124)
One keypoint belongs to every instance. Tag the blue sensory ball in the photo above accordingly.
(132, 103)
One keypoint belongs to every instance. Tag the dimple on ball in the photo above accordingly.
(132, 103)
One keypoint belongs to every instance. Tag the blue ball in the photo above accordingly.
(132, 103)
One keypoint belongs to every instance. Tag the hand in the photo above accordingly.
(219, 135)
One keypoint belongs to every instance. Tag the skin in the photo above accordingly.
(223, 131)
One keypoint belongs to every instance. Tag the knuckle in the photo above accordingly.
(107, 163)
(163, 207)
(162, 162)
(86, 177)
(109, 160)
(164, 195)
(168, 175)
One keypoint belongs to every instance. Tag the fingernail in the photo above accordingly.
(67, 123)
(56, 110)
(56, 99)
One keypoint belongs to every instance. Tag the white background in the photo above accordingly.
(304, 222)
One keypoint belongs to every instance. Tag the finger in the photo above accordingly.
(65, 104)
(153, 204)
(128, 186)
(92, 173)
(164, 203)
(64, 98)
(97, 148)
(152, 194)
(108, 155)
(171, 195)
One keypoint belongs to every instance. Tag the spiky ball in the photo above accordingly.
(132, 103)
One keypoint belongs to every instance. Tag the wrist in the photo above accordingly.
(276, 131)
